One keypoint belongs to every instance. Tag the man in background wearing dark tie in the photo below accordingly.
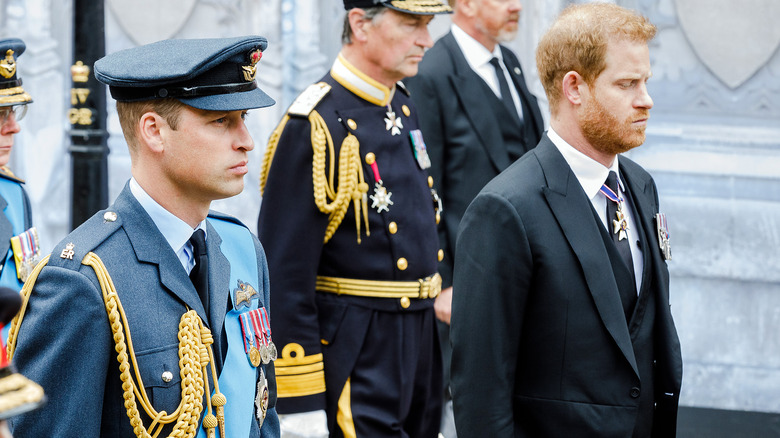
(477, 117)
(561, 324)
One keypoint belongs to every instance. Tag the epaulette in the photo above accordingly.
(305, 103)
(400, 85)
(6, 173)
(71, 251)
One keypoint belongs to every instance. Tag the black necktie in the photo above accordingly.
(617, 226)
(506, 95)
(200, 273)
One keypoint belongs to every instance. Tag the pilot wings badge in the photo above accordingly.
(243, 295)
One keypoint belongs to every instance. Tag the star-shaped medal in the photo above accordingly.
(381, 198)
(392, 123)
(620, 225)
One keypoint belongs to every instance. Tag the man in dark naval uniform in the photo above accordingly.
(349, 221)
(561, 325)
(151, 318)
(18, 238)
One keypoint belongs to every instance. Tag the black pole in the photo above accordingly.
(89, 148)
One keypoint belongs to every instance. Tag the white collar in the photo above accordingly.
(475, 53)
(590, 173)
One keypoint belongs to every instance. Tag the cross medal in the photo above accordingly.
(620, 225)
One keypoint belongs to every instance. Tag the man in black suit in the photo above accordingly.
(477, 116)
(561, 325)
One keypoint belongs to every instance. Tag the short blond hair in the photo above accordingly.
(577, 41)
(130, 113)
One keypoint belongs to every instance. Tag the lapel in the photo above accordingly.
(530, 108)
(6, 231)
(219, 276)
(150, 246)
(471, 91)
(641, 198)
(568, 203)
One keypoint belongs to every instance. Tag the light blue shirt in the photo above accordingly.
(176, 232)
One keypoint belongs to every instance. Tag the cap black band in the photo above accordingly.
(129, 94)
(11, 84)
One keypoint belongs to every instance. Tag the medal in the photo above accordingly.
(393, 123)
(274, 354)
(265, 354)
(663, 235)
(420, 151)
(619, 224)
(254, 356)
(261, 399)
(381, 197)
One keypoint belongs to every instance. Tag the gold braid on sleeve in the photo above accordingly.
(351, 184)
(195, 356)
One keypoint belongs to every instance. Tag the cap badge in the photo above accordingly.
(251, 70)
(8, 65)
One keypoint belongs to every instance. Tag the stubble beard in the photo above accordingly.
(606, 133)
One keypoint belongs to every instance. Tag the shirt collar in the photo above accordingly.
(360, 83)
(175, 231)
(590, 173)
(475, 53)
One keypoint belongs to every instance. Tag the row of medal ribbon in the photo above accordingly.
(258, 345)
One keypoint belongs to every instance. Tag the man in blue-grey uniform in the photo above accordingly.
(349, 221)
(125, 342)
(18, 238)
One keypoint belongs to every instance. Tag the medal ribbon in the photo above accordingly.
(267, 324)
(257, 324)
(375, 168)
(612, 196)
(247, 330)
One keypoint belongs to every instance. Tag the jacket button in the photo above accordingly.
(402, 264)
(634, 392)
(430, 181)
(392, 228)
(405, 302)
(167, 376)
(440, 255)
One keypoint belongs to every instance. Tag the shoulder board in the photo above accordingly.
(225, 217)
(308, 100)
(6, 173)
(75, 246)
(400, 85)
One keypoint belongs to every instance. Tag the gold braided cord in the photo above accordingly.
(351, 184)
(195, 355)
(270, 150)
(13, 331)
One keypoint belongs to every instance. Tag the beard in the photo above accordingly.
(608, 134)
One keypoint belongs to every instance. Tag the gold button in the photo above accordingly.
(441, 254)
(370, 158)
(393, 227)
(438, 218)
(167, 376)
(405, 303)
(406, 111)
(430, 181)
(402, 264)
(352, 125)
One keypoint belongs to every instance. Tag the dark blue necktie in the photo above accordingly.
(200, 273)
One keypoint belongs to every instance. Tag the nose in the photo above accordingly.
(515, 6)
(10, 126)
(424, 39)
(244, 138)
(644, 100)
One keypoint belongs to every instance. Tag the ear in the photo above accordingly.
(574, 86)
(358, 23)
(151, 127)
(467, 7)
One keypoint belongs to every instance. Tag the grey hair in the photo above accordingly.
(371, 14)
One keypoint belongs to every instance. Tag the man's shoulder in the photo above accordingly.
(88, 236)
(436, 60)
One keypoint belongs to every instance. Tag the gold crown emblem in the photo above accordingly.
(251, 70)
(8, 65)
(79, 72)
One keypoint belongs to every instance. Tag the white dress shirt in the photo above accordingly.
(591, 176)
(478, 57)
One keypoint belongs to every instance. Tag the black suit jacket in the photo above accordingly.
(462, 132)
(541, 347)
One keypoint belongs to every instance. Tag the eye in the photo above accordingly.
(221, 120)
(244, 114)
